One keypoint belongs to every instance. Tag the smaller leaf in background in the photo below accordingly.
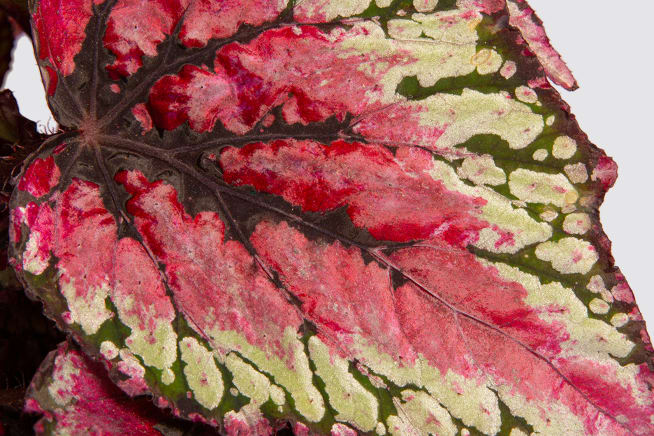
(76, 397)
(18, 138)
(13, 126)
(26, 335)
(9, 116)
(19, 13)
(6, 44)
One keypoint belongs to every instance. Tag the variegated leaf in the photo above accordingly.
(75, 396)
(359, 216)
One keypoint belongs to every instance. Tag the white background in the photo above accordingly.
(609, 51)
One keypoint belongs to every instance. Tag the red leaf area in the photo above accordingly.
(81, 216)
(135, 28)
(79, 224)
(40, 177)
(263, 74)
(60, 25)
(37, 217)
(493, 331)
(248, 80)
(204, 270)
(86, 401)
(531, 28)
(491, 334)
(311, 82)
(458, 328)
(364, 178)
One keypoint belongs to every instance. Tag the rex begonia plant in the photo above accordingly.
(337, 217)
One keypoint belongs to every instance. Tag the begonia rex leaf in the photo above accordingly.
(360, 217)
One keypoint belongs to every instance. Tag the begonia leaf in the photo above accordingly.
(26, 336)
(356, 216)
(75, 396)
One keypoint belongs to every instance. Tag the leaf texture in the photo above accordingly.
(76, 397)
(359, 217)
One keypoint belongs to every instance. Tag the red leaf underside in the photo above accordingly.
(356, 217)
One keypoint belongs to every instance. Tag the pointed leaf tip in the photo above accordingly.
(532, 30)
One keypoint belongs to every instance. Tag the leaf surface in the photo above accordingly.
(358, 217)
(26, 336)
(76, 397)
